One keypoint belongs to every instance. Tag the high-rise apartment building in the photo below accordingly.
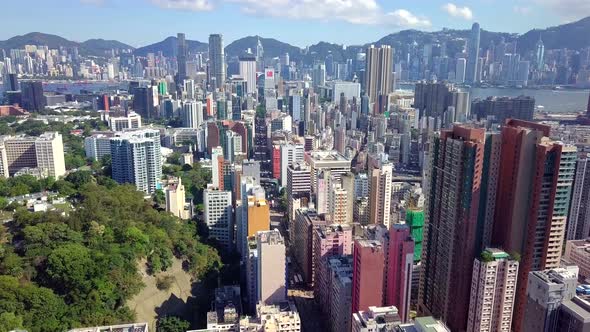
(192, 114)
(271, 270)
(472, 54)
(493, 289)
(453, 195)
(379, 72)
(367, 277)
(442, 101)
(337, 208)
(136, 159)
(398, 279)
(97, 146)
(503, 108)
(545, 292)
(307, 221)
(536, 177)
(216, 74)
(181, 56)
(219, 215)
(578, 220)
(328, 241)
(380, 195)
(44, 153)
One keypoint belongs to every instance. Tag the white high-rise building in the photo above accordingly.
(380, 189)
(493, 289)
(216, 166)
(219, 215)
(248, 72)
(97, 146)
(131, 121)
(272, 275)
(44, 153)
(192, 114)
(290, 153)
(233, 144)
(136, 159)
(460, 70)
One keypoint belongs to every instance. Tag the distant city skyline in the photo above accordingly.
(298, 22)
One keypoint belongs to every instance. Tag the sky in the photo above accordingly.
(298, 22)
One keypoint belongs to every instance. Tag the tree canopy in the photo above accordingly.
(62, 271)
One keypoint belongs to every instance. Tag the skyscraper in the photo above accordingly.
(472, 54)
(535, 181)
(136, 159)
(181, 56)
(248, 72)
(460, 70)
(32, 96)
(502, 108)
(298, 189)
(540, 54)
(400, 259)
(492, 292)
(578, 221)
(192, 114)
(216, 72)
(451, 239)
(379, 72)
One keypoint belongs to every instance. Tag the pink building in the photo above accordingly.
(367, 282)
(330, 240)
(400, 257)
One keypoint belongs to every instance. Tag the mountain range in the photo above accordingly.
(575, 35)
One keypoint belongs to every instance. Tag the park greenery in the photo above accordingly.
(194, 177)
(59, 271)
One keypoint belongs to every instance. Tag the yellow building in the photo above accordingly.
(258, 215)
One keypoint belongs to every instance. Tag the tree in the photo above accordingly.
(9, 321)
(172, 324)
(160, 197)
(3, 203)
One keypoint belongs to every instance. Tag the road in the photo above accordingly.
(311, 317)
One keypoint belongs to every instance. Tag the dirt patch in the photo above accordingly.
(152, 303)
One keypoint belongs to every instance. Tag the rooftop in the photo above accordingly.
(134, 327)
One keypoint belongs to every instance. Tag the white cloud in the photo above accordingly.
(403, 18)
(194, 5)
(457, 11)
(568, 9)
(522, 10)
(367, 12)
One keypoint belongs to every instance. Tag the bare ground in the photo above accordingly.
(152, 303)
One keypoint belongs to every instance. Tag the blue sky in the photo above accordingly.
(299, 22)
